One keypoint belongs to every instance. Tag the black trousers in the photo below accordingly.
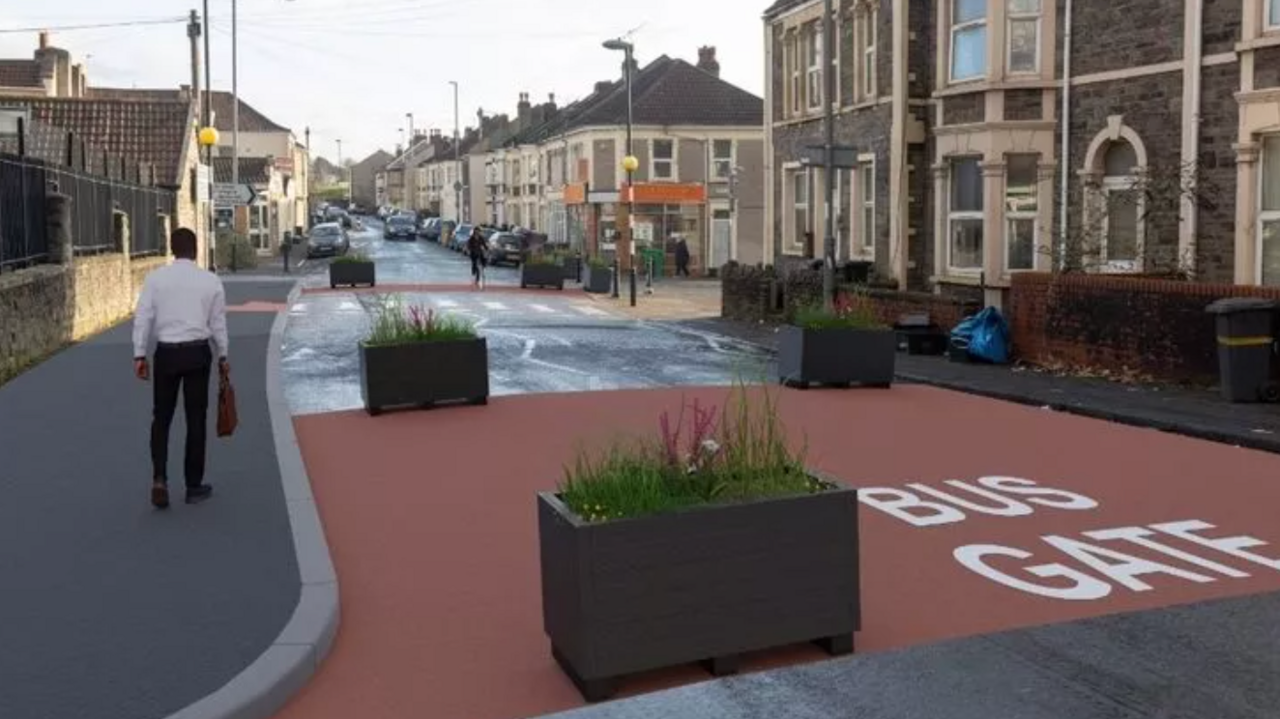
(181, 368)
(478, 263)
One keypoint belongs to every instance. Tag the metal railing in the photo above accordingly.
(104, 192)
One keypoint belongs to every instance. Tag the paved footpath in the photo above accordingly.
(110, 610)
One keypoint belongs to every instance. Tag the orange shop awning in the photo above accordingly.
(665, 193)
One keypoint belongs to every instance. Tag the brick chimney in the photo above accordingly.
(44, 39)
(707, 60)
(603, 86)
(551, 103)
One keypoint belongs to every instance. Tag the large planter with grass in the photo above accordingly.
(344, 272)
(544, 274)
(700, 585)
(422, 375)
(838, 347)
(599, 279)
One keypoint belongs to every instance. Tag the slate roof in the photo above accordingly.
(253, 170)
(781, 6)
(20, 73)
(155, 132)
(250, 119)
(665, 92)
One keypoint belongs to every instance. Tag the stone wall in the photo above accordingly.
(44, 308)
(1156, 327)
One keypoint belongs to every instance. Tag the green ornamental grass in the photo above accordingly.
(853, 310)
(353, 258)
(705, 456)
(397, 326)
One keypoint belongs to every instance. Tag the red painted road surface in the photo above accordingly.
(431, 520)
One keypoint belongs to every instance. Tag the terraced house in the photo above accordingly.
(1167, 163)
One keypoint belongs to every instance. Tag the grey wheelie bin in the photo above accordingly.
(1246, 330)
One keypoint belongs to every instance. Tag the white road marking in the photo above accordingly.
(348, 306)
(543, 308)
(592, 311)
(446, 303)
(495, 305)
(528, 349)
(299, 308)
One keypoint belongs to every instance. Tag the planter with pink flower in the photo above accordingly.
(417, 358)
(709, 540)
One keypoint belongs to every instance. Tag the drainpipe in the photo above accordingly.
(1064, 121)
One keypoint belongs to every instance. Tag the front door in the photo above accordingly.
(721, 239)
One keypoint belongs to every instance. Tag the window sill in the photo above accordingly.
(1015, 83)
(1268, 38)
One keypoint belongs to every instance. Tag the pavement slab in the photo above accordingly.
(112, 610)
(974, 521)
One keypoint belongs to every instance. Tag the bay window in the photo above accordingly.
(867, 208)
(814, 72)
(1024, 36)
(721, 159)
(1021, 219)
(663, 153)
(799, 205)
(968, 39)
(868, 39)
(964, 219)
(1269, 217)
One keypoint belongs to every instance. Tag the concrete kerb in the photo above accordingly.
(266, 685)
(1260, 443)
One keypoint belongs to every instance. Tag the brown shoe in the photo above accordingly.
(160, 496)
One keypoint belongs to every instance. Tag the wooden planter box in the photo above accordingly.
(549, 276)
(836, 357)
(352, 274)
(704, 585)
(599, 280)
(424, 374)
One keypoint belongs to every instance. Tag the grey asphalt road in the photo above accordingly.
(108, 609)
(538, 342)
(1214, 660)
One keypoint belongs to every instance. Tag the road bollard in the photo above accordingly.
(617, 279)
(633, 284)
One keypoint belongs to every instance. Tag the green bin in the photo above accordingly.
(655, 258)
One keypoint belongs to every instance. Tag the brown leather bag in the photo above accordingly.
(228, 419)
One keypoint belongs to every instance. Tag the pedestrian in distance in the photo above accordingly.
(477, 249)
(682, 258)
(184, 308)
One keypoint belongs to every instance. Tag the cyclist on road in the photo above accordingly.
(477, 249)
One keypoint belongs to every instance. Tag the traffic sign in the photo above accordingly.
(226, 194)
(842, 156)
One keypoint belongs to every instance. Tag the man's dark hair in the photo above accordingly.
(183, 244)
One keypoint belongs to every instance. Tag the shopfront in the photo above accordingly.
(665, 213)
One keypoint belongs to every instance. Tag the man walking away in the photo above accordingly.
(186, 308)
(682, 258)
(477, 249)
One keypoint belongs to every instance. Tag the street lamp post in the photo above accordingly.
(409, 116)
(829, 237)
(629, 163)
(235, 99)
(457, 156)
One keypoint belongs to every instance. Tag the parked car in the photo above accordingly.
(327, 240)
(400, 228)
(425, 224)
(460, 236)
(505, 248)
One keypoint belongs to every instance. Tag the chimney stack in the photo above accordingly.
(603, 86)
(44, 39)
(707, 60)
(523, 110)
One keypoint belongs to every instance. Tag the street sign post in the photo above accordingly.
(844, 157)
(228, 195)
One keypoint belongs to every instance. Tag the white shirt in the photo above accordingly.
(185, 304)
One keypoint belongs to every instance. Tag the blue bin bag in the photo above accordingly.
(989, 340)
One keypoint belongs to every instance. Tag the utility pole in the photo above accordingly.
(208, 87)
(235, 98)
(409, 115)
(340, 167)
(193, 33)
(457, 155)
(829, 87)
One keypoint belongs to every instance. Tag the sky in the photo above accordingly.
(352, 70)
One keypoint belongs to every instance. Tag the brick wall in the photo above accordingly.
(1157, 327)
(45, 307)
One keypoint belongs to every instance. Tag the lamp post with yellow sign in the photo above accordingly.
(630, 164)
(208, 138)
